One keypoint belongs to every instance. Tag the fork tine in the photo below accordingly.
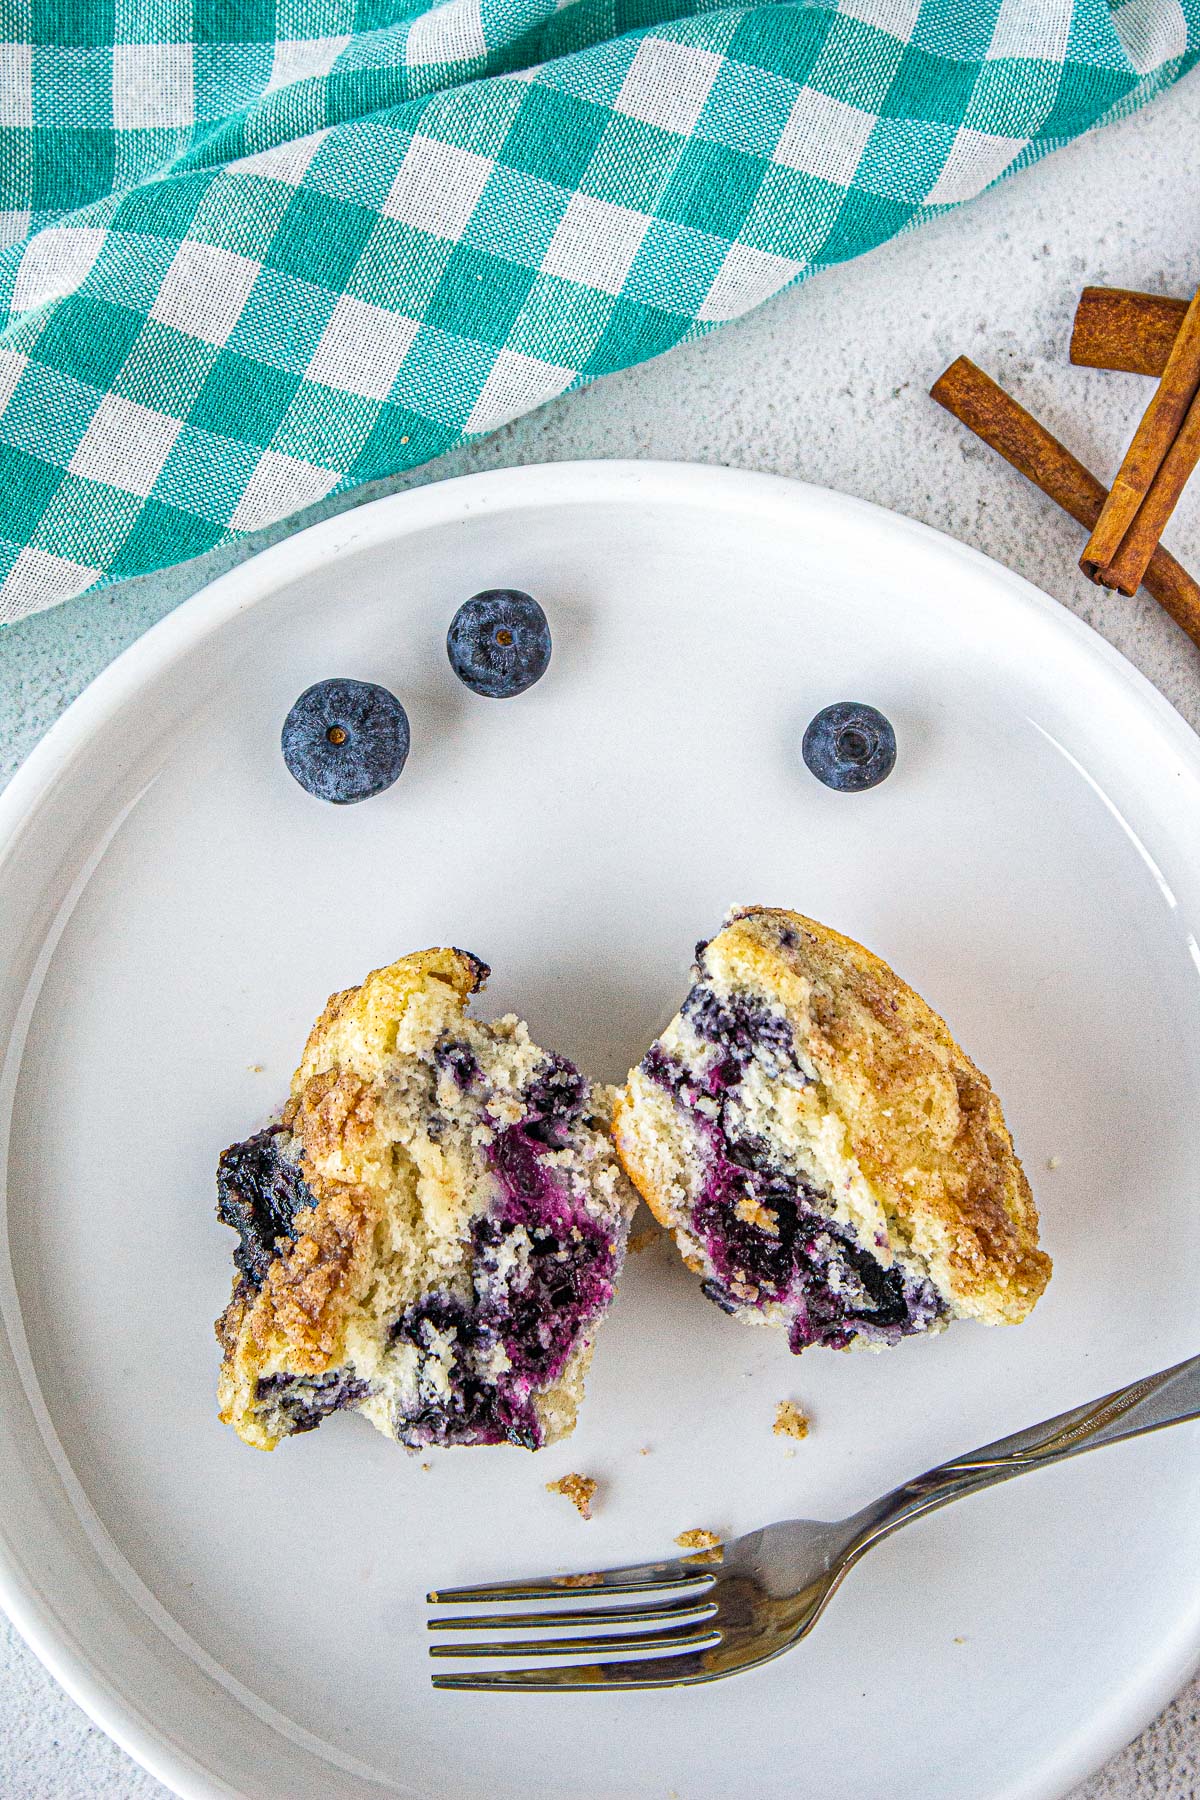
(695, 1638)
(650, 1672)
(631, 1580)
(668, 1612)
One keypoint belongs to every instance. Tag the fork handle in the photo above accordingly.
(1167, 1398)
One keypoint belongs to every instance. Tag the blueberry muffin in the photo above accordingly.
(432, 1232)
(826, 1156)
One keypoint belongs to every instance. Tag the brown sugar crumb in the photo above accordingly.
(578, 1489)
(578, 1581)
(706, 1544)
(642, 1240)
(789, 1420)
(753, 1212)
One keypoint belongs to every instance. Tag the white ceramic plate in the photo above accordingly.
(175, 911)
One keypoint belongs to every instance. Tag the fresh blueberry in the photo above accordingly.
(345, 740)
(499, 643)
(850, 747)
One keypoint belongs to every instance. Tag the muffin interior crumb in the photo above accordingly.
(580, 1490)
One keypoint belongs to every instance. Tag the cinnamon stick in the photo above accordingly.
(1127, 567)
(1116, 328)
(1154, 437)
(1002, 423)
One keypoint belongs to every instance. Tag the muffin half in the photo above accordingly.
(826, 1156)
(432, 1232)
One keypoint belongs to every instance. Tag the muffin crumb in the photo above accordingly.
(578, 1581)
(580, 1490)
(706, 1544)
(642, 1240)
(790, 1421)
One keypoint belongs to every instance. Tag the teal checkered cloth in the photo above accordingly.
(257, 251)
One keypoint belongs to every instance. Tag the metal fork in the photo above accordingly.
(726, 1610)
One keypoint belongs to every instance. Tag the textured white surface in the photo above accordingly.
(830, 383)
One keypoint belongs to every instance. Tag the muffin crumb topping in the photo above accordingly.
(580, 1490)
(706, 1545)
(790, 1421)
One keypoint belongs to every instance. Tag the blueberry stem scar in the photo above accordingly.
(854, 746)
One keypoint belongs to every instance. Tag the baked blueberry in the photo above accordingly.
(850, 747)
(260, 1189)
(345, 740)
(499, 643)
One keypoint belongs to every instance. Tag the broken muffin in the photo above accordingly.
(431, 1233)
(826, 1156)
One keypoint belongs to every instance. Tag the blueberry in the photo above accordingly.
(259, 1193)
(306, 1400)
(850, 747)
(499, 643)
(345, 740)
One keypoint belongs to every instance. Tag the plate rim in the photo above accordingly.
(432, 505)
